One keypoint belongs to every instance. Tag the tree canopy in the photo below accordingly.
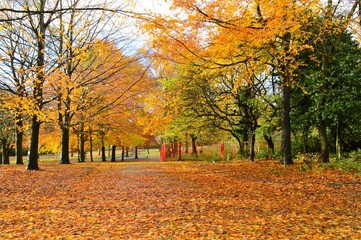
(281, 74)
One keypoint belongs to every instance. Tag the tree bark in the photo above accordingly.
(5, 152)
(19, 142)
(82, 142)
(325, 154)
(38, 89)
(64, 155)
(123, 152)
(34, 145)
(326, 59)
(104, 159)
(113, 153)
(194, 145)
(91, 145)
(270, 145)
(127, 152)
(286, 153)
(338, 142)
(136, 153)
(253, 141)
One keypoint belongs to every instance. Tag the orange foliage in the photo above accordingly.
(178, 200)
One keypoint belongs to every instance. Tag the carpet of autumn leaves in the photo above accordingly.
(178, 200)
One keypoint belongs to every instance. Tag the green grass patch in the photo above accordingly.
(345, 165)
(351, 163)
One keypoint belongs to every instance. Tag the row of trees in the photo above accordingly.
(70, 64)
(243, 68)
(261, 67)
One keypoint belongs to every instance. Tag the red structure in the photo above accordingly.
(163, 152)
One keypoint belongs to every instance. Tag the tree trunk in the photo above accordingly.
(253, 141)
(82, 143)
(123, 152)
(34, 145)
(91, 145)
(113, 153)
(326, 59)
(104, 159)
(286, 154)
(38, 89)
(64, 155)
(194, 146)
(19, 147)
(78, 146)
(325, 154)
(19, 140)
(338, 142)
(5, 152)
(270, 146)
(136, 153)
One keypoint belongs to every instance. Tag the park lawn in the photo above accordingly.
(178, 200)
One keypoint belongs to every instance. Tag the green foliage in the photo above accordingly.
(349, 163)
(265, 153)
(356, 155)
(345, 165)
(333, 99)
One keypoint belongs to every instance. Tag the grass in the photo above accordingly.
(54, 158)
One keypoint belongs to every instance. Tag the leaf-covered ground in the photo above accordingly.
(178, 200)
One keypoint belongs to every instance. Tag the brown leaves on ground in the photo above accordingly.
(178, 200)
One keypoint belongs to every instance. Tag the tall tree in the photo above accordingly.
(41, 18)
(217, 34)
(6, 133)
(38, 25)
(79, 37)
(340, 92)
(335, 20)
(17, 58)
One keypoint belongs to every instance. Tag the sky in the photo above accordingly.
(158, 6)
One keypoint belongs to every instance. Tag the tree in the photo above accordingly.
(17, 59)
(40, 19)
(7, 129)
(339, 91)
(85, 61)
(226, 104)
(217, 35)
(36, 18)
(109, 105)
(331, 30)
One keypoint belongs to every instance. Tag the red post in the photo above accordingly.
(221, 155)
(163, 152)
(179, 151)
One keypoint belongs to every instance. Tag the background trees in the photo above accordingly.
(257, 70)
(241, 53)
(55, 53)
